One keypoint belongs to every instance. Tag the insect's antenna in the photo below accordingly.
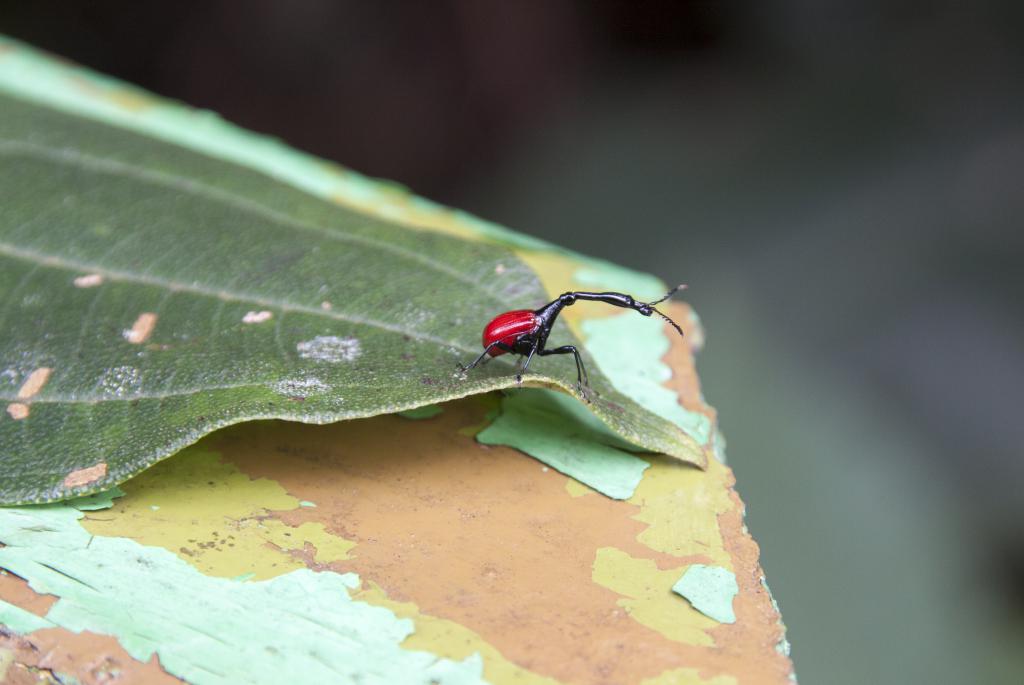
(674, 324)
(669, 294)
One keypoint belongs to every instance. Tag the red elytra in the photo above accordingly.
(508, 327)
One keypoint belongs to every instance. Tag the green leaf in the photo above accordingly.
(150, 294)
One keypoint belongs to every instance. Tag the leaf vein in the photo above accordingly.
(104, 165)
(53, 261)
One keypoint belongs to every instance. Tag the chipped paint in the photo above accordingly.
(88, 281)
(257, 317)
(710, 589)
(502, 617)
(214, 630)
(18, 410)
(217, 519)
(415, 495)
(450, 640)
(81, 659)
(34, 383)
(681, 508)
(644, 589)
(141, 329)
(85, 476)
(20, 621)
(577, 489)
(330, 348)
(558, 430)
(688, 676)
(6, 660)
(15, 591)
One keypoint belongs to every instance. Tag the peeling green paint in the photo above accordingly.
(718, 446)
(558, 430)
(710, 589)
(20, 621)
(212, 630)
(427, 411)
(629, 349)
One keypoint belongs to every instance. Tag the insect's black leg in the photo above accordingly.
(533, 350)
(484, 354)
(582, 380)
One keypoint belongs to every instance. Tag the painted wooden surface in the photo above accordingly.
(484, 549)
(415, 549)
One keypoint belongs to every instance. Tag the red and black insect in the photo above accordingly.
(525, 331)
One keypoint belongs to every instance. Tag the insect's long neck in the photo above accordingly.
(549, 312)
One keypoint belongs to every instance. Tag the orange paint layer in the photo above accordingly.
(16, 591)
(89, 658)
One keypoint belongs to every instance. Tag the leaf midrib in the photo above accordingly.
(98, 399)
(64, 263)
(70, 157)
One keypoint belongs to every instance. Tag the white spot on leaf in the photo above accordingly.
(121, 381)
(88, 281)
(141, 329)
(325, 305)
(257, 317)
(301, 386)
(330, 348)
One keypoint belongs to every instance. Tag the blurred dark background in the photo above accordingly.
(839, 182)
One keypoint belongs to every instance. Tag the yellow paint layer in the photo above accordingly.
(681, 507)
(576, 488)
(687, 676)
(6, 659)
(85, 476)
(450, 640)
(217, 519)
(34, 383)
(141, 329)
(17, 410)
(476, 535)
(648, 598)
